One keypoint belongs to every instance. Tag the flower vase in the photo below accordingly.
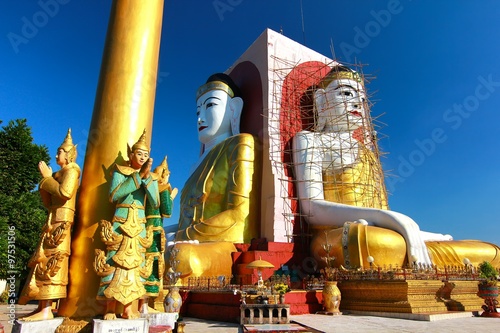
(173, 300)
(282, 298)
(331, 297)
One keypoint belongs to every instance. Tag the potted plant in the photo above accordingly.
(281, 289)
(488, 288)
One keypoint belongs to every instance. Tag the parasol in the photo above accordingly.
(259, 265)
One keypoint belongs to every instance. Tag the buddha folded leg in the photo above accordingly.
(354, 242)
(204, 259)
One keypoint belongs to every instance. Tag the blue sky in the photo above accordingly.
(437, 86)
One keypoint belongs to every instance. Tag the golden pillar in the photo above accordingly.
(123, 108)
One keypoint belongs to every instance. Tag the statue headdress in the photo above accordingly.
(140, 144)
(162, 169)
(219, 81)
(340, 72)
(68, 147)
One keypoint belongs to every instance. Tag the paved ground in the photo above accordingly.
(463, 322)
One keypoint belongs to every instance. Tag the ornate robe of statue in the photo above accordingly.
(48, 277)
(123, 269)
(216, 199)
(359, 185)
(156, 251)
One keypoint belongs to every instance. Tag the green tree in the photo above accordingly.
(21, 208)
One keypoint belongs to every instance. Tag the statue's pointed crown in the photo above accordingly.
(141, 143)
(69, 147)
(164, 163)
(67, 144)
(163, 167)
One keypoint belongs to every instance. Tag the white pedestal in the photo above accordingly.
(41, 326)
(121, 326)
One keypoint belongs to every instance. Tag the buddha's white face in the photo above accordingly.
(342, 106)
(214, 115)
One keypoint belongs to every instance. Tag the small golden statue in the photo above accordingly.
(154, 217)
(48, 277)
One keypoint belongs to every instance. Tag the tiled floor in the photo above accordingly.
(278, 328)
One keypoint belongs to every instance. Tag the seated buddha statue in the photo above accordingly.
(339, 179)
(215, 204)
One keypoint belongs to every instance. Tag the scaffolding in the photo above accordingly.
(349, 159)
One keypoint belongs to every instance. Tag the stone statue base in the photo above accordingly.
(399, 296)
(41, 326)
(120, 325)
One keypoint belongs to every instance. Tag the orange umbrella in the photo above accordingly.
(259, 264)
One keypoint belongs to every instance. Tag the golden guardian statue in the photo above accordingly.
(48, 277)
(123, 268)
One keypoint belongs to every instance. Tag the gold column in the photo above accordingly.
(123, 109)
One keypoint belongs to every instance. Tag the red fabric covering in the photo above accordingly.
(160, 329)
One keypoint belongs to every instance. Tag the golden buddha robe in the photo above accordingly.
(362, 186)
(48, 276)
(452, 253)
(218, 201)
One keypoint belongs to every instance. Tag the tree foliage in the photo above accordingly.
(21, 208)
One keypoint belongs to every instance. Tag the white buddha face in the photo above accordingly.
(341, 106)
(213, 111)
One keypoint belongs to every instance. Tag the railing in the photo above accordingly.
(223, 283)
(390, 273)
(385, 273)
(210, 283)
